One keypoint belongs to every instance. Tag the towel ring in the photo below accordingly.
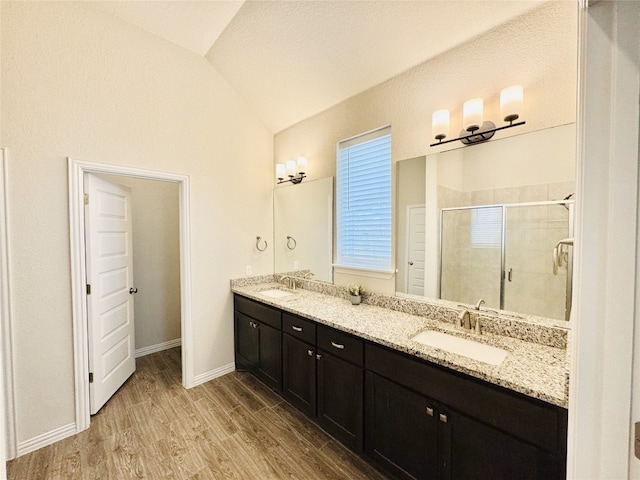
(289, 240)
(258, 244)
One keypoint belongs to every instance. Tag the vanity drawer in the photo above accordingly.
(341, 344)
(299, 327)
(259, 311)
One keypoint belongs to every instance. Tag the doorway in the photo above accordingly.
(77, 170)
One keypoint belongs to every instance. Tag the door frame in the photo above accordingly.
(606, 264)
(8, 442)
(77, 169)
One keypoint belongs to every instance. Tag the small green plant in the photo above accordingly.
(356, 289)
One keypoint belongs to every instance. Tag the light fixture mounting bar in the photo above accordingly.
(484, 135)
(295, 179)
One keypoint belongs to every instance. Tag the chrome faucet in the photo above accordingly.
(464, 320)
(289, 281)
(480, 302)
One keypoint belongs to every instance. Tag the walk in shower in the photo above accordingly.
(517, 257)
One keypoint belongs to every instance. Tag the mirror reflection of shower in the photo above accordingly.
(507, 254)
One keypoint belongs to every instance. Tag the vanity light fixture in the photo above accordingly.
(289, 169)
(475, 128)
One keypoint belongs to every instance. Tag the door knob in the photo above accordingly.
(133, 290)
(410, 263)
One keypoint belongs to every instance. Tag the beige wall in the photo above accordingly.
(538, 50)
(77, 82)
(156, 259)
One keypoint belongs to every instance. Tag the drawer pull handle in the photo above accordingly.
(297, 329)
(430, 411)
(337, 345)
(443, 418)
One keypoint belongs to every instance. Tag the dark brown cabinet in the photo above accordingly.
(323, 377)
(423, 421)
(412, 418)
(402, 429)
(258, 340)
(299, 363)
(340, 395)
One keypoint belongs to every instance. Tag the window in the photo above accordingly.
(486, 227)
(363, 201)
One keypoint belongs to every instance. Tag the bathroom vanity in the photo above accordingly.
(414, 410)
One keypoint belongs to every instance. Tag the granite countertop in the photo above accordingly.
(534, 369)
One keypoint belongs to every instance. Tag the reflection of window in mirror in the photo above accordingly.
(363, 201)
(486, 227)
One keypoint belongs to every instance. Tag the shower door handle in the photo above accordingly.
(510, 276)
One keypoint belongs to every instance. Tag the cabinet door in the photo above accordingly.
(269, 367)
(480, 451)
(340, 399)
(401, 429)
(299, 374)
(247, 342)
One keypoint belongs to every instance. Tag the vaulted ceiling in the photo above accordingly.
(292, 59)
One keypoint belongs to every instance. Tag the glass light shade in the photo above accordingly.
(511, 103)
(440, 124)
(280, 170)
(472, 114)
(291, 167)
(302, 164)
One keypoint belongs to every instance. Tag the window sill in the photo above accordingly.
(364, 272)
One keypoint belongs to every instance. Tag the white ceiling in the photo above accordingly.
(292, 59)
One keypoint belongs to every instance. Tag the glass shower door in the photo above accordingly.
(530, 285)
(471, 255)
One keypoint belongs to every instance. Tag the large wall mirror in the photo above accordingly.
(492, 221)
(303, 228)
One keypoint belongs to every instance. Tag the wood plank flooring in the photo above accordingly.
(232, 427)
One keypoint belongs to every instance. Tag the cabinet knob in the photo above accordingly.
(318, 356)
(430, 411)
(443, 418)
(310, 353)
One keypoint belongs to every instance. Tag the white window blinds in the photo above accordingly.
(363, 201)
(486, 227)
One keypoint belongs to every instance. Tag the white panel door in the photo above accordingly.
(415, 249)
(108, 230)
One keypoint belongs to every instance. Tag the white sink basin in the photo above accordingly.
(275, 293)
(462, 346)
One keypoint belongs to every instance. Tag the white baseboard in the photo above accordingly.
(141, 352)
(47, 438)
(211, 374)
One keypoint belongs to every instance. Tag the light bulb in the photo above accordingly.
(280, 170)
(511, 103)
(440, 124)
(291, 167)
(472, 114)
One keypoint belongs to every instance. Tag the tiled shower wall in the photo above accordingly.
(469, 273)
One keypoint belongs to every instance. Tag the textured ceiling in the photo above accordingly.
(194, 25)
(292, 59)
